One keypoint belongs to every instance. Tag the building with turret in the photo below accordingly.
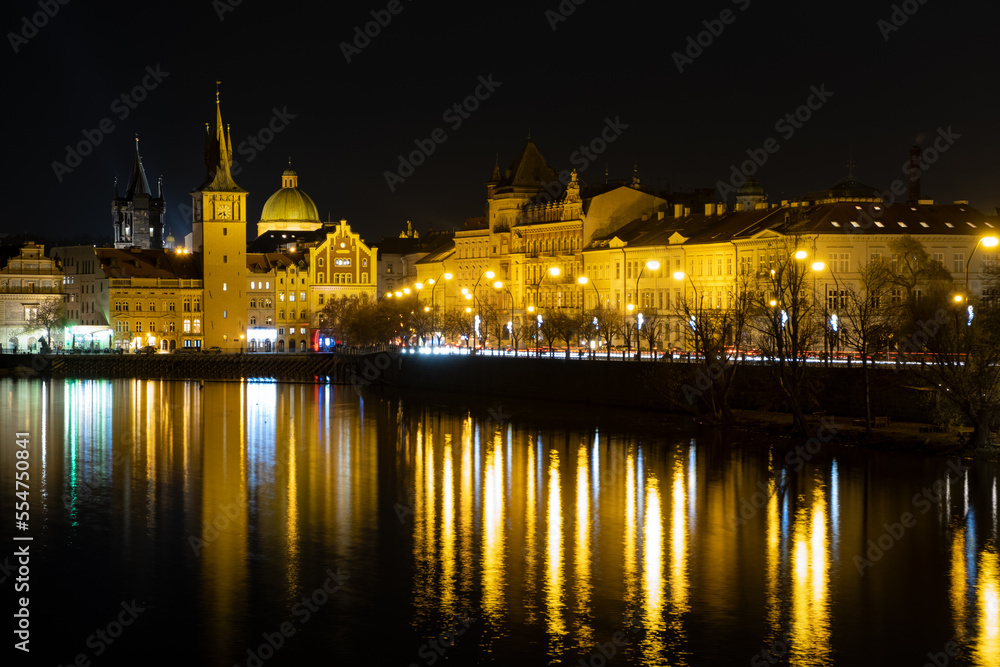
(219, 234)
(137, 216)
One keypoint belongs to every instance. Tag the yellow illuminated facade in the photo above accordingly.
(219, 233)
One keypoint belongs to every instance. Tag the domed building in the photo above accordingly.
(289, 209)
(749, 195)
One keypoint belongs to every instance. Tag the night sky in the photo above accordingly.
(344, 123)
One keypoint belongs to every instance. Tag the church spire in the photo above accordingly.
(219, 153)
(137, 183)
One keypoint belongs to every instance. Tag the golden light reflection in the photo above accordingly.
(678, 544)
(773, 581)
(448, 531)
(493, 565)
(652, 575)
(530, 538)
(582, 550)
(810, 631)
(987, 650)
(554, 622)
(467, 513)
(959, 586)
(630, 576)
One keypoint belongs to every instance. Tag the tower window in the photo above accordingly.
(225, 259)
(225, 286)
(225, 231)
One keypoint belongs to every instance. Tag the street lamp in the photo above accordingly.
(510, 325)
(680, 275)
(987, 242)
(554, 271)
(652, 265)
(489, 275)
(446, 276)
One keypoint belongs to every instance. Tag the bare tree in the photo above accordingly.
(609, 323)
(866, 319)
(50, 315)
(782, 315)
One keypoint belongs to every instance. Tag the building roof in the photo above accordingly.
(149, 263)
(137, 183)
(289, 205)
(277, 239)
(528, 170)
(264, 262)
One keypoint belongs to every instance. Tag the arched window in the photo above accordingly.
(281, 346)
(320, 276)
(302, 315)
(253, 303)
(197, 326)
(321, 299)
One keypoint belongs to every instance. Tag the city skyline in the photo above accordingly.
(689, 115)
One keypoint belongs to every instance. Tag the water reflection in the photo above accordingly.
(555, 539)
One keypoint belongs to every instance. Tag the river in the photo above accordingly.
(253, 523)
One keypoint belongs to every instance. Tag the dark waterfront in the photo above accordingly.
(356, 528)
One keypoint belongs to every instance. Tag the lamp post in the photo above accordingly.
(652, 265)
(489, 275)
(583, 280)
(986, 241)
(680, 275)
(554, 271)
(435, 282)
(510, 325)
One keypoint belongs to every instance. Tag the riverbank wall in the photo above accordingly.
(899, 394)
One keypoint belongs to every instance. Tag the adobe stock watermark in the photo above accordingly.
(225, 517)
(942, 658)
(363, 35)
(898, 17)
(583, 157)
(223, 7)
(434, 649)
(255, 143)
(607, 651)
(944, 140)
(31, 24)
(302, 611)
(778, 649)
(562, 12)
(713, 30)
(104, 637)
(786, 126)
(121, 107)
(894, 532)
(454, 116)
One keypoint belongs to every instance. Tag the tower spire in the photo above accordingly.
(219, 153)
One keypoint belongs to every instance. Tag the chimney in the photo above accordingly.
(659, 215)
(914, 174)
(709, 209)
(687, 211)
(678, 210)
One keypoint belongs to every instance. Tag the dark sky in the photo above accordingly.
(347, 122)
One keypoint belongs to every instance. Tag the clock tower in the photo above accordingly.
(219, 234)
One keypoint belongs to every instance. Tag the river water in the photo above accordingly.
(287, 524)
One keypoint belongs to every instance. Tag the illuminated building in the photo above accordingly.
(137, 216)
(30, 283)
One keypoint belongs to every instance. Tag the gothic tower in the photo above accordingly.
(219, 234)
(138, 216)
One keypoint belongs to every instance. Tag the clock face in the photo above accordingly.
(224, 211)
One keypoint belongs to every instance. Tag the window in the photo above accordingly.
(281, 314)
(138, 306)
(197, 326)
(959, 262)
(302, 316)
(267, 303)
(152, 306)
(225, 314)
(267, 285)
(197, 305)
(364, 262)
(291, 296)
(187, 326)
(225, 232)
(225, 287)
(187, 306)
(320, 277)
(302, 296)
(252, 284)
(253, 303)
(281, 331)
(897, 295)
(225, 259)
(388, 268)
(138, 327)
(253, 319)
(171, 306)
(321, 299)
(319, 262)
(939, 257)
(171, 326)
(618, 270)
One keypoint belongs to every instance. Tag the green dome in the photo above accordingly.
(290, 205)
(750, 188)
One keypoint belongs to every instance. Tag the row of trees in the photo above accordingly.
(909, 305)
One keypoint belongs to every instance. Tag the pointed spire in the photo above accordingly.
(137, 183)
(159, 187)
(219, 153)
(495, 178)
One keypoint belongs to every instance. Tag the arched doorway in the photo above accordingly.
(267, 346)
(302, 346)
(281, 346)
(291, 345)
(173, 345)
